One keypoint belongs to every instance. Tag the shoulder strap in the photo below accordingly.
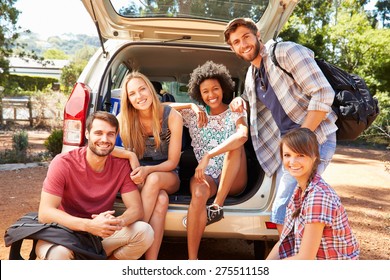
(167, 110)
(275, 60)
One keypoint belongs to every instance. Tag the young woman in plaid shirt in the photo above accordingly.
(316, 224)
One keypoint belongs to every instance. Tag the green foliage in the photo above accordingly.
(201, 8)
(70, 73)
(308, 25)
(341, 32)
(17, 84)
(19, 146)
(384, 116)
(20, 141)
(71, 43)
(361, 49)
(55, 54)
(20, 152)
(54, 142)
(383, 12)
(84, 54)
(379, 132)
(8, 35)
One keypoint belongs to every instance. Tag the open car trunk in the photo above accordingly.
(173, 62)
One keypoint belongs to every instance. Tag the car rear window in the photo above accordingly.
(215, 10)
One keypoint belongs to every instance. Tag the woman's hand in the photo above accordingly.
(237, 105)
(139, 174)
(200, 114)
(201, 168)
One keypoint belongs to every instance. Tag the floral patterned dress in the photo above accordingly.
(218, 129)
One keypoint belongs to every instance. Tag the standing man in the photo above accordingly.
(279, 103)
(79, 192)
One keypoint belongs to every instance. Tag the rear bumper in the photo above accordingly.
(248, 225)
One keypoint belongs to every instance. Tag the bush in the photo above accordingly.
(18, 154)
(54, 142)
(20, 141)
(379, 131)
(20, 145)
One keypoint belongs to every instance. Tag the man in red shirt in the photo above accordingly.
(79, 192)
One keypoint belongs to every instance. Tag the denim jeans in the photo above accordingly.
(285, 183)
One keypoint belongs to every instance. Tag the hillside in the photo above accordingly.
(69, 43)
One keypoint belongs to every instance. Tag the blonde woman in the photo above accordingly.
(151, 134)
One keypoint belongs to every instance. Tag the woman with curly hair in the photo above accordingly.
(316, 224)
(151, 134)
(218, 136)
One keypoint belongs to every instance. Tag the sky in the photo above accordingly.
(55, 17)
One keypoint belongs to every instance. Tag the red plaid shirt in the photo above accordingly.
(319, 204)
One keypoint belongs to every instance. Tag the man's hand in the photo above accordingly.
(105, 224)
(237, 105)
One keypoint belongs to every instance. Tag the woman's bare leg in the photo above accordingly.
(196, 217)
(234, 175)
(157, 222)
(155, 202)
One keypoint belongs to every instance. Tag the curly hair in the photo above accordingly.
(211, 70)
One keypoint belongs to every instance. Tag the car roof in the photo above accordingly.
(133, 20)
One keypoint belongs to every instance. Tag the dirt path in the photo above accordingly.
(360, 176)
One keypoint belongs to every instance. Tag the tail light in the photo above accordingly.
(270, 225)
(75, 115)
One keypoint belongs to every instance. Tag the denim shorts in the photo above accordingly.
(286, 183)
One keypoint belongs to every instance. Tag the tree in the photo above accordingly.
(69, 75)
(8, 34)
(71, 72)
(201, 8)
(383, 11)
(359, 48)
(84, 54)
(55, 54)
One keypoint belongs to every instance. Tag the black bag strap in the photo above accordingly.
(276, 62)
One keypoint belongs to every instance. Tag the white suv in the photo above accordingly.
(166, 40)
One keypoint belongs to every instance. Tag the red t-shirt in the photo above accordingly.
(83, 191)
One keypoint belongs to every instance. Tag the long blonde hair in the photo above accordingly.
(130, 127)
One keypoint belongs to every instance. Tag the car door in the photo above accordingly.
(190, 21)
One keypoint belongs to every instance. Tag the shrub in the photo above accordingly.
(20, 141)
(20, 145)
(54, 142)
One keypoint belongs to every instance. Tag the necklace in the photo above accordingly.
(262, 84)
(261, 79)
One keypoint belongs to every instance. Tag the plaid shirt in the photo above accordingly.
(308, 91)
(319, 204)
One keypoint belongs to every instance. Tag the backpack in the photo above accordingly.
(353, 104)
(84, 245)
